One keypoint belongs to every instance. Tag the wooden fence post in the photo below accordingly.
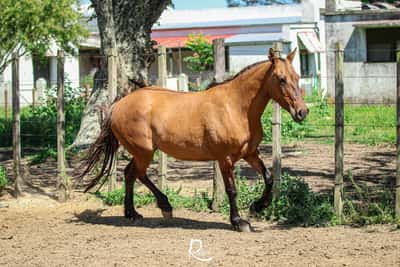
(162, 82)
(219, 73)
(276, 136)
(33, 98)
(112, 94)
(339, 131)
(63, 185)
(397, 205)
(5, 107)
(16, 125)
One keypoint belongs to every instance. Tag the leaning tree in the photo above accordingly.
(126, 26)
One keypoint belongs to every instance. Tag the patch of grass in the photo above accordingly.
(3, 178)
(296, 204)
(42, 156)
(364, 124)
(39, 125)
(362, 207)
(200, 201)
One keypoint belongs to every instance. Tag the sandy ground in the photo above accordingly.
(38, 231)
(86, 233)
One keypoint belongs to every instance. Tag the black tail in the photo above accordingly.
(106, 144)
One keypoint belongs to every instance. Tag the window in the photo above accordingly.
(381, 44)
(304, 63)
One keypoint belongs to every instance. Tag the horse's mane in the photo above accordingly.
(215, 83)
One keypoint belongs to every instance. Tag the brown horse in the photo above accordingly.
(222, 123)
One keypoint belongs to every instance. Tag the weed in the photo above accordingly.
(364, 209)
(3, 178)
(42, 156)
(199, 202)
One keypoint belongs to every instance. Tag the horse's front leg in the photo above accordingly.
(255, 161)
(238, 223)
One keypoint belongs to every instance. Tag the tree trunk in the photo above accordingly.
(124, 25)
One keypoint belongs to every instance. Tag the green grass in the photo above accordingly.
(3, 178)
(364, 124)
(39, 125)
(200, 201)
(297, 204)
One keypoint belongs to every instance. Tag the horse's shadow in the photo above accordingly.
(96, 217)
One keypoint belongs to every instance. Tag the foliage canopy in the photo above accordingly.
(202, 58)
(32, 26)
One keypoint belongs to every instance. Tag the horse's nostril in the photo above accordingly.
(302, 113)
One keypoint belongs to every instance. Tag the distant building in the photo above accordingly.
(370, 34)
(248, 31)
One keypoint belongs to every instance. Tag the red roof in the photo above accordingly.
(180, 41)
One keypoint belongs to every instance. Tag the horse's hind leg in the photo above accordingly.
(238, 223)
(162, 200)
(130, 177)
(143, 160)
(255, 161)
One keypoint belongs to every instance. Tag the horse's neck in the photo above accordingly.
(251, 97)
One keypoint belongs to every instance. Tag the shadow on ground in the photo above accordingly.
(95, 217)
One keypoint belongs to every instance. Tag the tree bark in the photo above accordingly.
(124, 25)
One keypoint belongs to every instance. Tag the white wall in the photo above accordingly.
(71, 69)
(242, 56)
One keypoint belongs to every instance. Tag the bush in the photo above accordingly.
(42, 156)
(199, 202)
(366, 208)
(3, 178)
(298, 204)
(39, 125)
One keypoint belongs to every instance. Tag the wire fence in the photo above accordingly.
(369, 120)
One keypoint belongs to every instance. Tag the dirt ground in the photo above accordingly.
(38, 231)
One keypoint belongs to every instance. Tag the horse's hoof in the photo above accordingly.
(242, 226)
(135, 217)
(167, 215)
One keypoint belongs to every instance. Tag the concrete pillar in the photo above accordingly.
(53, 71)
(330, 5)
(183, 82)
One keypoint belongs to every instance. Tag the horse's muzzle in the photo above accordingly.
(301, 114)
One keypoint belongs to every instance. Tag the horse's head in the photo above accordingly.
(283, 83)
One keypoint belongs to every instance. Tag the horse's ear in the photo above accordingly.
(271, 55)
(290, 57)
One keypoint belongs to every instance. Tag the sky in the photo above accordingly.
(192, 4)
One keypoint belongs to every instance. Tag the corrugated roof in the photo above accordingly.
(180, 41)
(255, 38)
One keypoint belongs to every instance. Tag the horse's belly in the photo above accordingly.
(186, 151)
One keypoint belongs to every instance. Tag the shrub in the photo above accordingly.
(42, 156)
(298, 204)
(199, 202)
(366, 208)
(39, 125)
(3, 178)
